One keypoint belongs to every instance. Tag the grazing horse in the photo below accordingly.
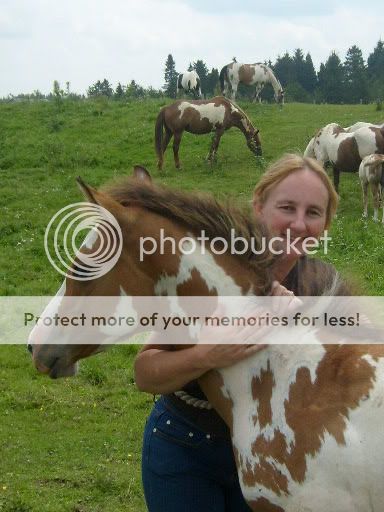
(305, 420)
(258, 75)
(371, 173)
(189, 82)
(344, 150)
(201, 116)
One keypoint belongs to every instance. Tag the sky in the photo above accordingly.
(80, 41)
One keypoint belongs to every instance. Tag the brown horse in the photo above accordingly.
(305, 420)
(199, 117)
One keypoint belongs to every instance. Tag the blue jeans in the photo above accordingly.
(186, 470)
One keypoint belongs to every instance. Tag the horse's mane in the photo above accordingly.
(241, 111)
(197, 212)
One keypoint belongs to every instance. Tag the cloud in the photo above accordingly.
(82, 42)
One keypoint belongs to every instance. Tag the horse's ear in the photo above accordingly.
(141, 173)
(88, 191)
(104, 200)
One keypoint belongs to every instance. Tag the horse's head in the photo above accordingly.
(280, 97)
(148, 264)
(310, 149)
(254, 142)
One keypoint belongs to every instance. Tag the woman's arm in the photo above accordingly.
(161, 370)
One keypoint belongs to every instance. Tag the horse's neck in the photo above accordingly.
(242, 122)
(274, 81)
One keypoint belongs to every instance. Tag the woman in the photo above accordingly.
(188, 463)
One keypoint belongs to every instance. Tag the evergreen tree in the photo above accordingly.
(101, 89)
(376, 62)
(201, 69)
(299, 66)
(119, 92)
(284, 69)
(355, 76)
(375, 71)
(331, 80)
(309, 79)
(170, 77)
(212, 82)
(134, 90)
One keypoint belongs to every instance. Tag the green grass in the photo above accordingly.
(74, 445)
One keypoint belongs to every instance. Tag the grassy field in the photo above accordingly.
(74, 445)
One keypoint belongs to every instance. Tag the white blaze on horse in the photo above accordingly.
(200, 117)
(190, 83)
(258, 75)
(344, 150)
(305, 420)
(371, 174)
(362, 124)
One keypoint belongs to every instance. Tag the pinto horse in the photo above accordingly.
(199, 117)
(371, 174)
(362, 124)
(305, 420)
(189, 82)
(258, 75)
(344, 150)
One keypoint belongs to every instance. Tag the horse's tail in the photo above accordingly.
(179, 82)
(223, 78)
(159, 130)
(198, 87)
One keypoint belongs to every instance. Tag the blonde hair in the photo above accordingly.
(285, 166)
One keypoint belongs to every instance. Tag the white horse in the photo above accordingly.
(371, 173)
(344, 150)
(249, 74)
(189, 82)
(362, 124)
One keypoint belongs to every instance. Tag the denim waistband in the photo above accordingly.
(207, 421)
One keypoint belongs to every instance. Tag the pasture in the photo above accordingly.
(74, 445)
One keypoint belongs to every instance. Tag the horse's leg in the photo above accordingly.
(234, 89)
(257, 96)
(364, 188)
(382, 202)
(167, 135)
(336, 178)
(376, 200)
(214, 145)
(176, 144)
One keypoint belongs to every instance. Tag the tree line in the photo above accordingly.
(350, 81)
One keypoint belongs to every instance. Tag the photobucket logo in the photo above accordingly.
(64, 241)
(237, 245)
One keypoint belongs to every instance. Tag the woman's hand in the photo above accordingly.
(220, 355)
(222, 346)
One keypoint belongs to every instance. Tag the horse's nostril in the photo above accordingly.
(30, 348)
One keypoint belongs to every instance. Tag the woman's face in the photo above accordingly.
(299, 204)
